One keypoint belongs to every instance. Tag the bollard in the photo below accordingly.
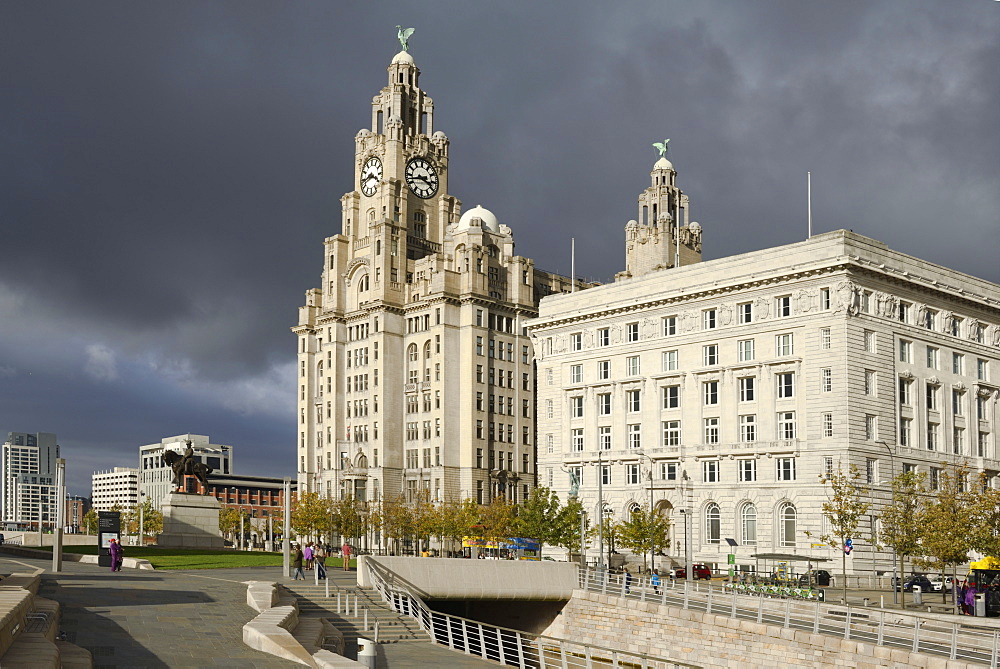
(918, 598)
(366, 652)
(866, 601)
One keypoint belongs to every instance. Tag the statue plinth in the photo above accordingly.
(190, 521)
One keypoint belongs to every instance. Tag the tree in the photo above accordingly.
(947, 519)
(396, 519)
(844, 509)
(536, 518)
(310, 514)
(90, 522)
(567, 525)
(458, 518)
(642, 532)
(496, 519)
(348, 517)
(152, 519)
(425, 520)
(901, 526)
(229, 521)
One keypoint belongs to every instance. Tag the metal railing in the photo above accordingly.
(964, 640)
(500, 644)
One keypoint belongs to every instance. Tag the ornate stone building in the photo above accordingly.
(415, 374)
(724, 389)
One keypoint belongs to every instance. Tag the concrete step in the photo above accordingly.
(393, 627)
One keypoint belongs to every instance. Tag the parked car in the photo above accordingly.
(942, 583)
(917, 580)
(700, 572)
(815, 577)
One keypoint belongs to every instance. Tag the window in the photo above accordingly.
(550, 443)
(871, 342)
(935, 478)
(957, 363)
(711, 430)
(870, 383)
(633, 401)
(668, 471)
(710, 354)
(932, 397)
(713, 524)
(905, 432)
(744, 350)
(669, 326)
(932, 357)
(783, 306)
(932, 436)
(958, 440)
(708, 319)
(606, 475)
(604, 437)
(866, 301)
(871, 428)
(632, 474)
(824, 299)
(786, 384)
(603, 369)
(632, 365)
(479, 346)
(669, 361)
(904, 312)
(786, 469)
(710, 471)
(981, 444)
(783, 345)
(635, 436)
(576, 374)
(982, 369)
(905, 396)
(744, 312)
(825, 338)
(957, 400)
(575, 406)
(746, 470)
(576, 341)
(746, 385)
(748, 427)
(980, 407)
(827, 425)
(671, 397)
(671, 433)
(930, 319)
(786, 520)
(826, 380)
(549, 409)
(786, 425)
(604, 404)
(711, 392)
(748, 521)
(632, 331)
(603, 336)
(576, 436)
(828, 466)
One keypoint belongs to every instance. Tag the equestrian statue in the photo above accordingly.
(186, 465)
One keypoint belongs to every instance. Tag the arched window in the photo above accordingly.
(411, 353)
(378, 247)
(713, 524)
(786, 529)
(634, 508)
(427, 349)
(748, 518)
(371, 215)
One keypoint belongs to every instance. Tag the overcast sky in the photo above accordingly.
(169, 170)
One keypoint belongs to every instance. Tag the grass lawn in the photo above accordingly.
(189, 558)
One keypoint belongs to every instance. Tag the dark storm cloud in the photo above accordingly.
(171, 169)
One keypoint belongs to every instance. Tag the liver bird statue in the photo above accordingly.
(661, 147)
(403, 34)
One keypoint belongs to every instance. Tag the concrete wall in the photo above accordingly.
(718, 641)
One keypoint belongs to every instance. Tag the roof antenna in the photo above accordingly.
(572, 265)
(809, 200)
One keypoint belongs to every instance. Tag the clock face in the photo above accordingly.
(371, 176)
(422, 177)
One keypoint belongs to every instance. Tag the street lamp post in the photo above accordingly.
(892, 475)
(286, 562)
(652, 536)
(141, 518)
(600, 509)
(688, 565)
(60, 506)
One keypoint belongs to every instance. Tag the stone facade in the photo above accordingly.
(415, 375)
(738, 382)
(190, 521)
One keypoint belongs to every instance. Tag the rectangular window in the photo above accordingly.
(669, 361)
(870, 383)
(748, 428)
(550, 443)
(576, 374)
(711, 392)
(633, 400)
(479, 345)
(957, 363)
(786, 469)
(746, 385)
(576, 341)
(632, 475)
(576, 436)
(932, 436)
(635, 436)
(905, 432)
(603, 369)
(669, 326)
(710, 471)
(603, 336)
(905, 397)
(904, 312)
(982, 369)
(786, 425)
(671, 433)
(710, 354)
(905, 351)
(604, 437)
(871, 427)
(632, 331)
(671, 397)
(824, 299)
(826, 380)
(576, 406)
(981, 445)
(549, 409)
(932, 397)
(930, 319)
(827, 425)
(632, 365)
(934, 478)
(932, 357)
(783, 306)
(958, 441)
(745, 312)
(871, 470)
(871, 342)
(957, 400)
(784, 345)
(744, 350)
(825, 338)
(604, 404)
(786, 384)
(747, 470)
(708, 319)
(711, 430)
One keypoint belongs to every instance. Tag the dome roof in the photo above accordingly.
(489, 221)
(663, 164)
(695, 225)
(403, 57)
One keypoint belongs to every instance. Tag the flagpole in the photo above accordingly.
(572, 265)
(809, 200)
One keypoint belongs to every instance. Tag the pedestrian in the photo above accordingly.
(654, 580)
(116, 551)
(319, 559)
(345, 550)
(970, 599)
(297, 563)
(628, 581)
(307, 554)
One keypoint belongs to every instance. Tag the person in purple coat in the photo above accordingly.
(116, 554)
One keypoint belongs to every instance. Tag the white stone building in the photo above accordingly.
(118, 486)
(739, 381)
(414, 371)
(155, 478)
(27, 477)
